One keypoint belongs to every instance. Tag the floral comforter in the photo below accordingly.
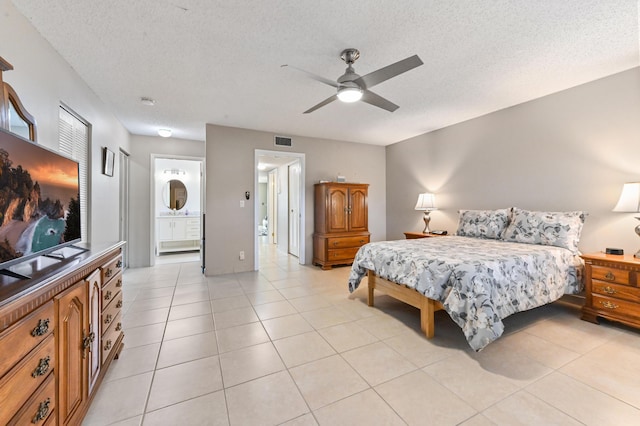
(479, 281)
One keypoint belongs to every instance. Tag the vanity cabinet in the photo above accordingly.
(55, 346)
(177, 233)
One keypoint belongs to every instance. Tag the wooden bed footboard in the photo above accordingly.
(409, 296)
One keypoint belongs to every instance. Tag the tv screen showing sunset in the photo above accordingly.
(39, 199)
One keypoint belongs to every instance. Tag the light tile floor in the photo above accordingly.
(290, 345)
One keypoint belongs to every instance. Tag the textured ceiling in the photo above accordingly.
(214, 61)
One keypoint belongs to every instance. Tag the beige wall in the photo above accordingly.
(230, 172)
(142, 148)
(43, 80)
(572, 150)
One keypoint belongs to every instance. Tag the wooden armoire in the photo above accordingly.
(341, 222)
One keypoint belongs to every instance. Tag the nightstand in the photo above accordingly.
(416, 235)
(611, 286)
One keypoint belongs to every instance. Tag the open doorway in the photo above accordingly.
(279, 204)
(176, 209)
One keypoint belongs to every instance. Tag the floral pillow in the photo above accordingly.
(489, 224)
(561, 229)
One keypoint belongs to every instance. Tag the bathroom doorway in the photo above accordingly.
(177, 209)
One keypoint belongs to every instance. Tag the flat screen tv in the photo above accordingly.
(39, 200)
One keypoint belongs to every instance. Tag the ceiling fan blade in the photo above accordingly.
(316, 77)
(321, 104)
(390, 71)
(376, 100)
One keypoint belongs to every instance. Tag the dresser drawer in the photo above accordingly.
(39, 409)
(625, 292)
(347, 242)
(18, 385)
(111, 269)
(19, 339)
(610, 275)
(616, 306)
(110, 337)
(112, 310)
(111, 290)
(342, 254)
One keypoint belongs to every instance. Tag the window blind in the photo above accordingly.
(74, 142)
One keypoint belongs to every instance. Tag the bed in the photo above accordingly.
(499, 263)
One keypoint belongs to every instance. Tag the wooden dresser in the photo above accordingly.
(612, 286)
(59, 332)
(341, 222)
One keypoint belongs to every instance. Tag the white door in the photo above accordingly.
(272, 207)
(294, 208)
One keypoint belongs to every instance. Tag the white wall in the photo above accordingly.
(43, 80)
(230, 172)
(142, 147)
(572, 150)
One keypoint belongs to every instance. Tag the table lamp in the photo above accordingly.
(629, 202)
(426, 202)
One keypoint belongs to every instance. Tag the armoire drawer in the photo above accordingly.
(347, 242)
(342, 254)
(40, 407)
(111, 269)
(110, 336)
(112, 310)
(111, 290)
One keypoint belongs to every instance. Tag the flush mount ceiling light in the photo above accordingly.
(165, 133)
(147, 101)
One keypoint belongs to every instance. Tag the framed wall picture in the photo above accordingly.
(108, 158)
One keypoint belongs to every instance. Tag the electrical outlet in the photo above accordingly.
(241, 203)
(242, 255)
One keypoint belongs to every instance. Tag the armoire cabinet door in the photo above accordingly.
(338, 209)
(358, 210)
(71, 331)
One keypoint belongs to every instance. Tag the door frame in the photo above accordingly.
(124, 160)
(256, 203)
(152, 205)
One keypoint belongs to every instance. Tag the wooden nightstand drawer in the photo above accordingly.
(625, 292)
(347, 242)
(609, 274)
(616, 306)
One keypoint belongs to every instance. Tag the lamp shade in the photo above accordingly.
(426, 202)
(629, 201)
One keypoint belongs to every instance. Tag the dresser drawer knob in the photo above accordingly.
(119, 264)
(42, 368)
(119, 304)
(108, 272)
(609, 290)
(107, 295)
(43, 410)
(609, 305)
(335, 243)
(108, 319)
(119, 326)
(610, 276)
(107, 345)
(41, 329)
(361, 241)
(119, 283)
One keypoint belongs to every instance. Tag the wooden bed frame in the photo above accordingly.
(407, 295)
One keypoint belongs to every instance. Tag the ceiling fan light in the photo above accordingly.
(349, 94)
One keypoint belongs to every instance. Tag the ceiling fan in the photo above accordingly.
(352, 87)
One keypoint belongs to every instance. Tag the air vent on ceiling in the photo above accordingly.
(282, 141)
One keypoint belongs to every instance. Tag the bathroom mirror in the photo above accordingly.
(174, 194)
